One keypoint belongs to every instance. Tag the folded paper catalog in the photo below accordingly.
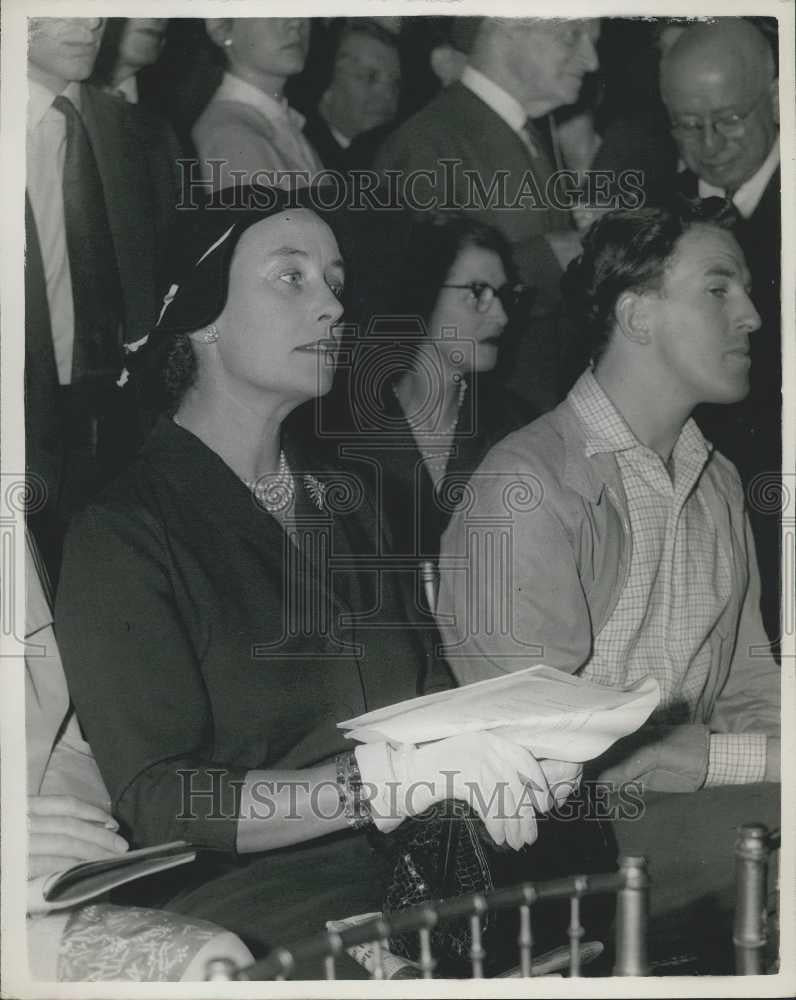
(552, 713)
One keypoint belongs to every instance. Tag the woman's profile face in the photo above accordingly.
(466, 338)
(275, 333)
(276, 46)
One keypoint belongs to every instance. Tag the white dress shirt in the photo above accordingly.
(46, 149)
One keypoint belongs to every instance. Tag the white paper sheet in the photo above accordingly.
(551, 712)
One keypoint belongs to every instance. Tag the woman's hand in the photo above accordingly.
(502, 781)
(64, 830)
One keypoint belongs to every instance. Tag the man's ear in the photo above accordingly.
(632, 317)
(219, 29)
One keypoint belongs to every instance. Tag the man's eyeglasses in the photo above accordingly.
(730, 125)
(484, 294)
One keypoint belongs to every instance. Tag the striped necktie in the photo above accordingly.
(96, 288)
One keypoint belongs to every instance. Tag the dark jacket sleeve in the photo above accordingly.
(133, 668)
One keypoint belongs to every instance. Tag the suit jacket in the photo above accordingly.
(136, 156)
(458, 126)
(357, 156)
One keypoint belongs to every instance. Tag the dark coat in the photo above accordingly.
(136, 157)
(416, 511)
(195, 635)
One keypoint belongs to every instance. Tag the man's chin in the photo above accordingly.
(725, 176)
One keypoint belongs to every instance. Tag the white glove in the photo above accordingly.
(563, 777)
(502, 781)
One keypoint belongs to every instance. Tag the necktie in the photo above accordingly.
(532, 137)
(96, 289)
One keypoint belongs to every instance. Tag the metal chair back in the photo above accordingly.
(630, 885)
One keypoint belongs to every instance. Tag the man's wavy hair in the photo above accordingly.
(630, 250)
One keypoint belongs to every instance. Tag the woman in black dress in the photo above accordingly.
(221, 605)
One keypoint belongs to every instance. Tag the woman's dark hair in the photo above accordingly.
(108, 55)
(629, 250)
(200, 257)
(433, 248)
(164, 373)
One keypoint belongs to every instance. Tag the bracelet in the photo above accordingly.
(349, 788)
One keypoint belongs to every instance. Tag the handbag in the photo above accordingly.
(447, 851)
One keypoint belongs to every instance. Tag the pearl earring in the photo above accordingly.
(210, 335)
(227, 43)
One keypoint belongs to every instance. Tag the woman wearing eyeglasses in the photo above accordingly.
(425, 405)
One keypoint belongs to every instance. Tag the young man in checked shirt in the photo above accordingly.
(609, 538)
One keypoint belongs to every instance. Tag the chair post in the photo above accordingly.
(749, 930)
(631, 918)
(221, 970)
(525, 939)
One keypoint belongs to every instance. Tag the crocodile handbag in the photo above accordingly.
(447, 852)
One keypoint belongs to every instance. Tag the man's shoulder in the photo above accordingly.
(447, 118)
(539, 448)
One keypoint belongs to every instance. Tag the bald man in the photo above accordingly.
(719, 85)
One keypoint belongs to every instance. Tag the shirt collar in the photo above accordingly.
(606, 430)
(233, 88)
(40, 99)
(501, 102)
(748, 195)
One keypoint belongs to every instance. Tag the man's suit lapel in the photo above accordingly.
(41, 375)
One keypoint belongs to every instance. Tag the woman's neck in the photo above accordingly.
(655, 416)
(434, 410)
(268, 83)
(246, 438)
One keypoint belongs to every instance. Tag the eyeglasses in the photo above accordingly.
(369, 77)
(730, 125)
(484, 294)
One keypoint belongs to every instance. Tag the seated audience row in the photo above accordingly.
(230, 583)
(221, 608)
